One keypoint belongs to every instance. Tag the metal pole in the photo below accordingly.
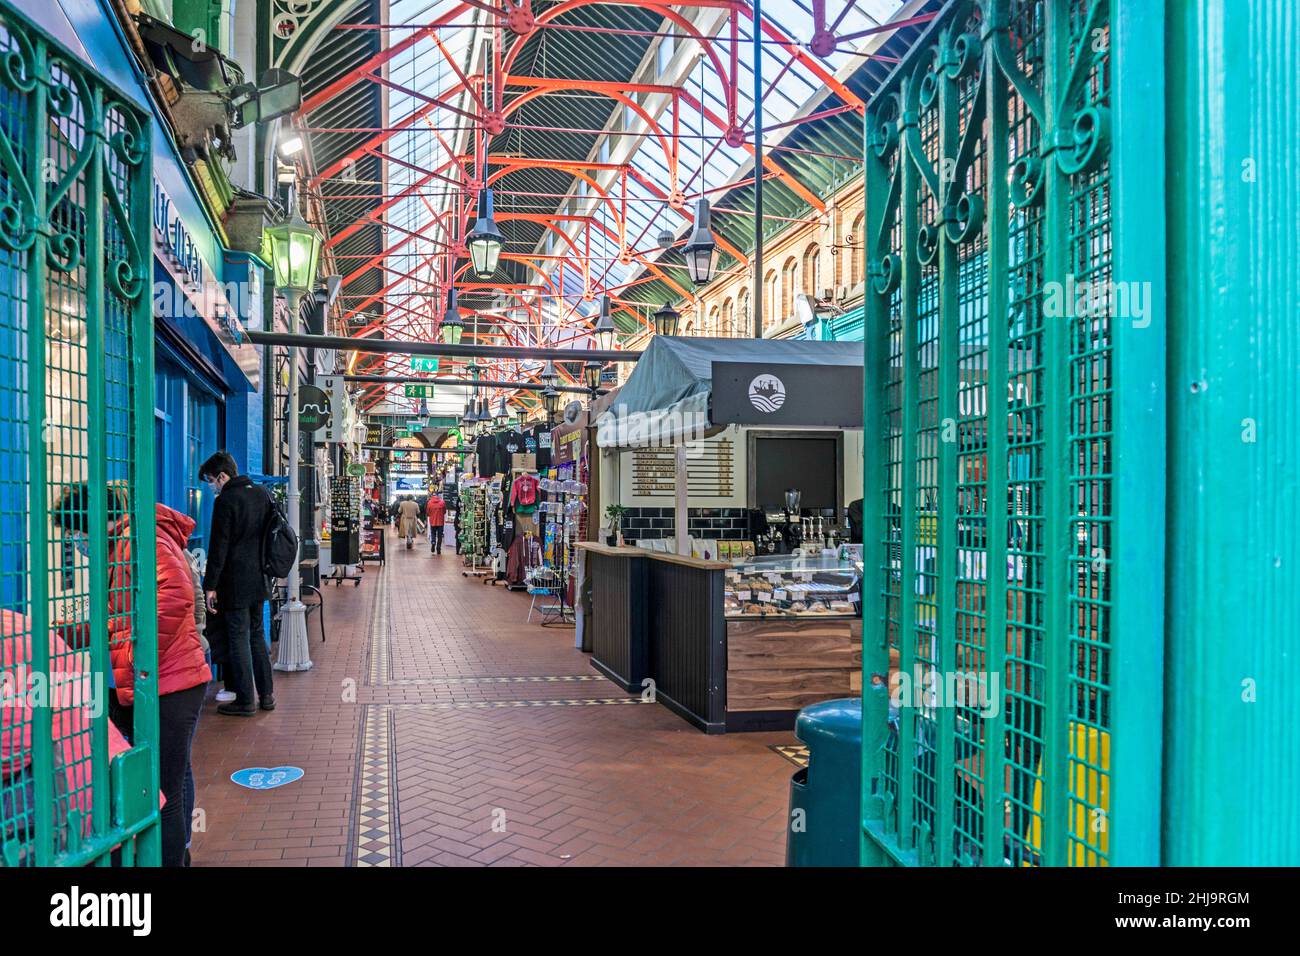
(295, 654)
(464, 383)
(757, 297)
(343, 343)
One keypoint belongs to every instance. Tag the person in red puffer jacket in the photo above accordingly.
(182, 674)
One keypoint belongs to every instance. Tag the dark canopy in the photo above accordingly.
(667, 396)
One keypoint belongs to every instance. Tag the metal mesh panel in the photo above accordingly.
(993, 422)
(74, 271)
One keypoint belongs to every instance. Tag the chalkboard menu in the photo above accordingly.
(345, 520)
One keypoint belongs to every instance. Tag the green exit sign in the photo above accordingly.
(419, 391)
(401, 433)
(424, 363)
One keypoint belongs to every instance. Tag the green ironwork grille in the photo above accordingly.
(989, 422)
(76, 480)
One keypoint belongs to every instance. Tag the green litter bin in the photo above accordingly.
(822, 828)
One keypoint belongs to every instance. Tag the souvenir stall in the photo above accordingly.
(747, 614)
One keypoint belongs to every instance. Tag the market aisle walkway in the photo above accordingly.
(438, 728)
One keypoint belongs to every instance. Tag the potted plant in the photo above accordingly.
(614, 514)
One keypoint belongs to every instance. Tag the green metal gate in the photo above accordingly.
(1014, 433)
(76, 459)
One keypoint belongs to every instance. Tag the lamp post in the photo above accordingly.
(295, 253)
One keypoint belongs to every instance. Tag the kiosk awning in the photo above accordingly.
(686, 388)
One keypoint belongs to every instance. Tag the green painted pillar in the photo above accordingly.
(1232, 676)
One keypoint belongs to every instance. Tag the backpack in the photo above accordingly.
(279, 544)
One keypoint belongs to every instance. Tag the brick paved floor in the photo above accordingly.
(437, 728)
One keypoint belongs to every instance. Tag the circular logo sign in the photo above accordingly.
(767, 393)
(313, 407)
(357, 470)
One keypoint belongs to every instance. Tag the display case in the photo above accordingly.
(791, 586)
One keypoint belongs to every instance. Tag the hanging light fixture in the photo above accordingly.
(550, 376)
(551, 402)
(605, 326)
(666, 320)
(503, 411)
(485, 240)
(453, 326)
(591, 374)
(700, 249)
(294, 250)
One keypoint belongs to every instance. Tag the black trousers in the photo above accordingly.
(435, 538)
(248, 667)
(178, 714)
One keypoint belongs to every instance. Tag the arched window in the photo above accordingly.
(855, 244)
(769, 296)
(812, 270)
(789, 276)
(743, 315)
(728, 318)
(690, 327)
(711, 327)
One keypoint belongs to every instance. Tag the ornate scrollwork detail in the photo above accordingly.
(886, 273)
(63, 251)
(927, 243)
(17, 228)
(1026, 177)
(883, 138)
(64, 96)
(1089, 141)
(125, 281)
(964, 220)
(929, 89)
(18, 65)
(964, 56)
(127, 143)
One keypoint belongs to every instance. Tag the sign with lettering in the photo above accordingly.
(313, 408)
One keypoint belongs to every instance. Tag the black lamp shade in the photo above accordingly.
(605, 326)
(453, 326)
(550, 401)
(485, 240)
(700, 250)
(591, 375)
(666, 320)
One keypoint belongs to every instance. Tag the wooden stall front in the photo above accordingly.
(660, 617)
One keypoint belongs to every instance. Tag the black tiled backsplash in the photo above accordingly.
(725, 523)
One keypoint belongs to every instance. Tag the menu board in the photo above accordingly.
(709, 471)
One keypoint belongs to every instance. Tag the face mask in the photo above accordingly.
(82, 544)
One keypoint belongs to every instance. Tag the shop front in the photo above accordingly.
(734, 465)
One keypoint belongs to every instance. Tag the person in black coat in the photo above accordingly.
(234, 584)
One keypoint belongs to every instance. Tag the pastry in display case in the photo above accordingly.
(789, 586)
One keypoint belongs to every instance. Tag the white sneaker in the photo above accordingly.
(225, 696)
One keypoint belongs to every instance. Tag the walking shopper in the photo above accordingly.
(234, 584)
(182, 670)
(408, 515)
(436, 512)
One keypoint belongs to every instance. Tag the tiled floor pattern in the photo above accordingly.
(437, 728)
